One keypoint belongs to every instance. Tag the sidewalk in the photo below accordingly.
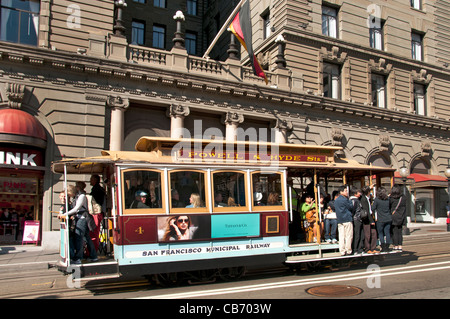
(15, 258)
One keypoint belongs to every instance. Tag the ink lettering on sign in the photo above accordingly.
(21, 158)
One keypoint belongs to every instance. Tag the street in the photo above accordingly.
(421, 271)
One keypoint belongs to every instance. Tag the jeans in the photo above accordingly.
(82, 233)
(384, 229)
(330, 228)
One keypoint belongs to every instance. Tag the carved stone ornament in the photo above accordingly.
(333, 55)
(117, 102)
(283, 125)
(426, 148)
(232, 118)
(15, 93)
(384, 142)
(421, 77)
(336, 135)
(178, 110)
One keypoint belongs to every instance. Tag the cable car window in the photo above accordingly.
(188, 190)
(142, 190)
(229, 191)
(267, 189)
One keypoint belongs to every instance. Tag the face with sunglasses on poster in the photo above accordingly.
(180, 227)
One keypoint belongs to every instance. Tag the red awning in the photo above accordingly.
(425, 180)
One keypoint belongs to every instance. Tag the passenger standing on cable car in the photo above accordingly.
(344, 217)
(384, 218)
(370, 231)
(358, 232)
(397, 203)
(80, 212)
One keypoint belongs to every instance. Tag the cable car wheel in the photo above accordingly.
(231, 273)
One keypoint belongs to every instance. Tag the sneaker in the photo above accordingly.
(328, 241)
(92, 260)
(334, 241)
(76, 262)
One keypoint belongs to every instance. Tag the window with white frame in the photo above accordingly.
(416, 4)
(331, 80)
(417, 46)
(379, 90)
(19, 21)
(376, 36)
(420, 99)
(137, 32)
(266, 23)
(329, 21)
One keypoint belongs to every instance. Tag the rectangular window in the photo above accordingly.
(420, 99)
(416, 4)
(417, 46)
(159, 3)
(331, 80)
(379, 90)
(139, 1)
(19, 21)
(191, 43)
(329, 21)
(229, 191)
(142, 191)
(138, 32)
(159, 36)
(267, 190)
(376, 36)
(267, 27)
(188, 191)
(192, 7)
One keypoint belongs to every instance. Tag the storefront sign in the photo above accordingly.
(31, 232)
(204, 155)
(16, 157)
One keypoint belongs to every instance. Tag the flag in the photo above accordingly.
(241, 26)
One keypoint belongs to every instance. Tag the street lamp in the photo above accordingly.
(178, 40)
(447, 174)
(404, 172)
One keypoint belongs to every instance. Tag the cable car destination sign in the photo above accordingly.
(250, 156)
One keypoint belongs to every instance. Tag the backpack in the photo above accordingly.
(94, 208)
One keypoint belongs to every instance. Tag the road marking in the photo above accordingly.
(301, 282)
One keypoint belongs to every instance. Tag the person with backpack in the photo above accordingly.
(370, 230)
(397, 204)
(384, 218)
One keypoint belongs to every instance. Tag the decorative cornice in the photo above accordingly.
(158, 75)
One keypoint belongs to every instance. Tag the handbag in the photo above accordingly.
(364, 214)
(398, 204)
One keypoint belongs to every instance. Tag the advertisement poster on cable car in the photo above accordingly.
(184, 227)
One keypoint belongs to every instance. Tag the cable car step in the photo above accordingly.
(96, 270)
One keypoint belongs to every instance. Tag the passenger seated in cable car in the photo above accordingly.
(273, 199)
(140, 199)
(218, 200)
(257, 199)
(195, 201)
(176, 202)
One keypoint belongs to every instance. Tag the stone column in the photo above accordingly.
(177, 113)
(118, 106)
(282, 127)
(232, 121)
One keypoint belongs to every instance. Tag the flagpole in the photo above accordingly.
(224, 27)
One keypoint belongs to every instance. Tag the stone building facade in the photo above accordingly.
(371, 77)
